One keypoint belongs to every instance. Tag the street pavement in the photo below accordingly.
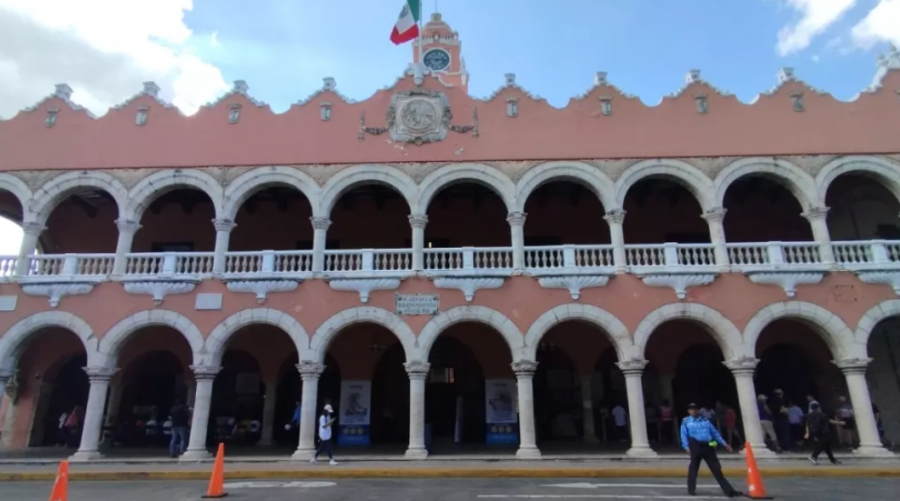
(819, 489)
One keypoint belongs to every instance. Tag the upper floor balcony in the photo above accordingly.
(463, 226)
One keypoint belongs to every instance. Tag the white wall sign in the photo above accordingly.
(417, 304)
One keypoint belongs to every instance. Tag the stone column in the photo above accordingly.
(127, 229)
(320, 233)
(516, 222)
(818, 220)
(205, 376)
(714, 218)
(309, 373)
(524, 370)
(31, 231)
(587, 405)
(417, 372)
(743, 369)
(93, 413)
(616, 218)
(223, 233)
(5, 376)
(268, 421)
(634, 371)
(854, 370)
(418, 222)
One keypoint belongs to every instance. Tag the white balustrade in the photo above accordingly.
(94, 264)
(798, 253)
(853, 253)
(8, 266)
(293, 261)
(343, 260)
(169, 263)
(149, 263)
(392, 259)
(695, 254)
(748, 255)
(491, 258)
(774, 255)
(240, 263)
(443, 259)
(45, 265)
(568, 256)
(645, 255)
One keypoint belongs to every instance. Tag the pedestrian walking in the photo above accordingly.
(699, 438)
(326, 420)
(795, 418)
(845, 415)
(778, 407)
(731, 427)
(765, 421)
(620, 416)
(818, 429)
(179, 415)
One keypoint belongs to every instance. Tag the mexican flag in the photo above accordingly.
(407, 27)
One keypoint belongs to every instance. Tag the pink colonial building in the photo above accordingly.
(449, 270)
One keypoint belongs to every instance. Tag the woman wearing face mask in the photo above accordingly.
(325, 421)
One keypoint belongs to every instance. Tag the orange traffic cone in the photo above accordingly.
(60, 490)
(217, 480)
(755, 487)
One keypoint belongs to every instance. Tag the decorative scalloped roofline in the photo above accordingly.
(63, 92)
(150, 89)
(886, 64)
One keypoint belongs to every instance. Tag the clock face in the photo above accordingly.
(437, 60)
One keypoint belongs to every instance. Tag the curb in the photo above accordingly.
(429, 473)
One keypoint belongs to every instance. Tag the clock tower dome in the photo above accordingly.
(442, 53)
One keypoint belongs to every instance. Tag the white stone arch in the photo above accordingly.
(479, 314)
(253, 181)
(359, 175)
(828, 326)
(685, 174)
(218, 339)
(57, 189)
(450, 174)
(798, 182)
(325, 334)
(582, 173)
(727, 336)
(877, 314)
(159, 183)
(884, 171)
(17, 188)
(111, 343)
(611, 326)
(15, 340)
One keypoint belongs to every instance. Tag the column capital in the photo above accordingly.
(223, 224)
(632, 367)
(309, 370)
(417, 370)
(524, 368)
(745, 366)
(615, 216)
(320, 223)
(33, 227)
(516, 218)
(852, 365)
(100, 373)
(5, 376)
(127, 225)
(816, 213)
(207, 372)
(418, 220)
(715, 215)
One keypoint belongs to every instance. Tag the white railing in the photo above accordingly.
(8, 266)
(469, 258)
(867, 254)
(268, 262)
(84, 265)
(645, 255)
(568, 256)
(169, 263)
(773, 255)
(368, 260)
(293, 261)
(670, 255)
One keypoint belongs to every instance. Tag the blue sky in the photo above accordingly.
(284, 48)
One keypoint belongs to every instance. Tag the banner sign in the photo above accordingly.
(501, 413)
(355, 413)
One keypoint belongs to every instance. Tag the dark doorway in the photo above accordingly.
(70, 388)
(456, 379)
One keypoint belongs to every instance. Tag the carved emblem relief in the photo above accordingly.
(419, 116)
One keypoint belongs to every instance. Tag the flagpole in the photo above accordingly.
(420, 66)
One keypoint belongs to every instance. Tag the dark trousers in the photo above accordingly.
(823, 444)
(324, 446)
(783, 430)
(700, 451)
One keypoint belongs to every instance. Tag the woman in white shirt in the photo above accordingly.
(325, 421)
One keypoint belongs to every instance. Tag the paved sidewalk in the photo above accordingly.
(439, 469)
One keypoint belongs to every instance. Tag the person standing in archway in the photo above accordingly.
(818, 429)
(699, 438)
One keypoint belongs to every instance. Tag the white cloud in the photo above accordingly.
(104, 49)
(816, 17)
(882, 23)
(10, 237)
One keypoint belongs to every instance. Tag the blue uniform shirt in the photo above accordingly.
(700, 430)
(296, 417)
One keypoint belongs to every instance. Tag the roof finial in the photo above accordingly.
(151, 89)
(692, 76)
(600, 78)
(329, 83)
(63, 91)
(510, 79)
(786, 75)
(240, 86)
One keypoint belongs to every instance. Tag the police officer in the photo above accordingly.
(699, 438)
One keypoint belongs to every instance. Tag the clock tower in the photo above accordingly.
(442, 53)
